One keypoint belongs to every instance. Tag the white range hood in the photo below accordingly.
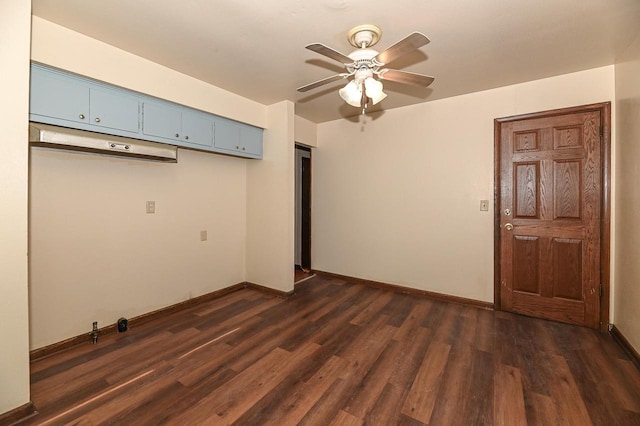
(80, 140)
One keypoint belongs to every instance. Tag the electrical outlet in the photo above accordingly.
(484, 205)
(203, 235)
(151, 206)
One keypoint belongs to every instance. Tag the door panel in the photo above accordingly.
(551, 173)
(526, 264)
(526, 188)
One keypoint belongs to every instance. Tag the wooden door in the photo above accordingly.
(552, 215)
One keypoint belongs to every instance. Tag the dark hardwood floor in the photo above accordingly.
(300, 274)
(337, 353)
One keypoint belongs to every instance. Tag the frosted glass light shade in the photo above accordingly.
(373, 89)
(351, 93)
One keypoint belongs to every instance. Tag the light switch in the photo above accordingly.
(151, 206)
(203, 235)
(484, 205)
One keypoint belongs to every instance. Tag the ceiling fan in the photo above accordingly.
(365, 64)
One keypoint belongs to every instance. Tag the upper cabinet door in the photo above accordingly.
(161, 120)
(227, 135)
(251, 140)
(54, 96)
(115, 111)
(197, 129)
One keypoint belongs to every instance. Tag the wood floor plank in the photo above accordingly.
(541, 410)
(293, 407)
(338, 352)
(327, 407)
(237, 403)
(372, 309)
(408, 364)
(388, 407)
(421, 398)
(364, 396)
(345, 419)
(566, 394)
(413, 320)
(508, 397)
(450, 405)
(222, 406)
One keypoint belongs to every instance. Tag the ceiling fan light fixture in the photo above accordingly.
(352, 93)
(364, 66)
(373, 89)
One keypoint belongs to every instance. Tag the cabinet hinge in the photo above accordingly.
(600, 290)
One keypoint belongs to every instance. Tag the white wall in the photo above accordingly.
(15, 22)
(96, 254)
(396, 195)
(305, 132)
(270, 204)
(627, 267)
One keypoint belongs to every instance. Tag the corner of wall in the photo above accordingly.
(625, 268)
(270, 203)
(15, 30)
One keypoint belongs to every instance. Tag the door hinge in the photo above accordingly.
(600, 290)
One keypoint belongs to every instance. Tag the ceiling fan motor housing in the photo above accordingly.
(363, 59)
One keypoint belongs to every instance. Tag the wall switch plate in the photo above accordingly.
(484, 205)
(151, 206)
(203, 235)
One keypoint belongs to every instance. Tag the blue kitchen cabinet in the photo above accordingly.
(65, 99)
(236, 139)
(197, 129)
(114, 110)
(161, 120)
(251, 140)
(176, 125)
(60, 99)
(56, 97)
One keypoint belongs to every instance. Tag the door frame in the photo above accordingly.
(604, 109)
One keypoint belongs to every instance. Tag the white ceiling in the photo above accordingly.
(256, 48)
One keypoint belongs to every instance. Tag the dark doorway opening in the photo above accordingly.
(303, 208)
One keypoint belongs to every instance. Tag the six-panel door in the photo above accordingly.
(550, 175)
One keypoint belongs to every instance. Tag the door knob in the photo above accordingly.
(508, 227)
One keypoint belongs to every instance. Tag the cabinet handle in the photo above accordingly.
(97, 119)
(243, 148)
(237, 147)
(81, 116)
(177, 135)
(186, 137)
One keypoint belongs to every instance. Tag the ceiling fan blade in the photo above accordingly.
(406, 77)
(404, 46)
(322, 82)
(329, 52)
